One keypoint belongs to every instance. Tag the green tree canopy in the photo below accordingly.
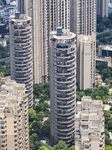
(60, 146)
(107, 147)
(43, 148)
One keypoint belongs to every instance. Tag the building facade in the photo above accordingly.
(86, 64)
(105, 51)
(14, 130)
(89, 125)
(83, 16)
(21, 6)
(40, 35)
(62, 85)
(40, 40)
(21, 61)
(59, 14)
(102, 8)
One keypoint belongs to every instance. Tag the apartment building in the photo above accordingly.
(102, 8)
(38, 10)
(86, 64)
(83, 16)
(14, 130)
(21, 60)
(62, 85)
(89, 125)
(59, 14)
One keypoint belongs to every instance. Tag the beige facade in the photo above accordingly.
(21, 59)
(59, 14)
(14, 130)
(38, 10)
(62, 85)
(83, 16)
(89, 125)
(102, 8)
(86, 64)
(40, 40)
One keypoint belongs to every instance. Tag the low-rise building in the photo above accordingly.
(89, 125)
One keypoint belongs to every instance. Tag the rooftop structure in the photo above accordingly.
(89, 125)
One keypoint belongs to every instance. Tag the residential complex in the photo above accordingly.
(40, 40)
(102, 8)
(62, 85)
(89, 125)
(83, 16)
(21, 61)
(14, 130)
(86, 64)
(59, 14)
(40, 35)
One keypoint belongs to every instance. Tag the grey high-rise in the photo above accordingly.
(21, 53)
(62, 85)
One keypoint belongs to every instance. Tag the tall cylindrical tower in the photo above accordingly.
(62, 85)
(21, 53)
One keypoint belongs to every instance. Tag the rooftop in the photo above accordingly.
(106, 47)
(65, 34)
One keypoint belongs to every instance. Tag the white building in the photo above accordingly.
(89, 125)
(14, 130)
(62, 85)
(21, 53)
(59, 14)
(86, 64)
(83, 16)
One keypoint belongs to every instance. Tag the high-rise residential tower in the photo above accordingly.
(38, 10)
(83, 22)
(102, 8)
(14, 130)
(40, 40)
(59, 14)
(21, 6)
(21, 53)
(62, 85)
(83, 16)
(24, 6)
(86, 54)
(89, 125)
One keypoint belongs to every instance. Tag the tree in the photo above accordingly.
(80, 94)
(43, 148)
(32, 115)
(88, 92)
(60, 146)
(106, 73)
(34, 142)
(72, 148)
(107, 147)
